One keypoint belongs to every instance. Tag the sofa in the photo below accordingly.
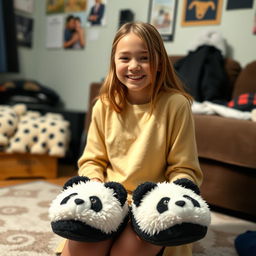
(226, 147)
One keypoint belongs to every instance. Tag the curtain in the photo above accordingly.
(8, 41)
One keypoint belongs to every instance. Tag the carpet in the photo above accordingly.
(24, 225)
(25, 228)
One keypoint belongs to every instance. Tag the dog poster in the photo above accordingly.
(201, 12)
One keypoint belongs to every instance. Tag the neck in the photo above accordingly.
(137, 99)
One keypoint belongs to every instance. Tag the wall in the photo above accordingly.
(71, 72)
(235, 26)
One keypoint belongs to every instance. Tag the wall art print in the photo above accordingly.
(201, 12)
(162, 15)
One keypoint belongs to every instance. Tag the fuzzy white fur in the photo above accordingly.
(254, 115)
(107, 220)
(152, 222)
(209, 37)
(210, 108)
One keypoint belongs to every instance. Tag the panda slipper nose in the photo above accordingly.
(180, 203)
(79, 201)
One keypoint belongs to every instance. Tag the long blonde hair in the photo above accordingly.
(164, 76)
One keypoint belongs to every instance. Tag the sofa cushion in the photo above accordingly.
(226, 140)
(246, 80)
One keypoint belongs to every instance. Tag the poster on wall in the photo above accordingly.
(24, 5)
(254, 24)
(75, 6)
(162, 16)
(96, 13)
(54, 6)
(54, 31)
(24, 30)
(201, 12)
(239, 4)
(74, 31)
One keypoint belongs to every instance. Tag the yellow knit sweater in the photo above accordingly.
(133, 147)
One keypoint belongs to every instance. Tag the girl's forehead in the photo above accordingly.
(131, 42)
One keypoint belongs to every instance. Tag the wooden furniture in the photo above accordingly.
(27, 166)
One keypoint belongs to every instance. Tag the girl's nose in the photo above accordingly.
(134, 66)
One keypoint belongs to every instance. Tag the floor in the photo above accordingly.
(65, 171)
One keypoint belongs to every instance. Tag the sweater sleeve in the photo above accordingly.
(182, 160)
(94, 159)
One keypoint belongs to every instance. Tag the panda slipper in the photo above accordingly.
(169, 214)
(89, 211)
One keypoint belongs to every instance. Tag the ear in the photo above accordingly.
(212, 5)
(141, 190)
(120, 191)
(186, 183)
(192, 4)
(75, 180)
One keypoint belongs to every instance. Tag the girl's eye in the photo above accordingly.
(123, 58)
(144, 58)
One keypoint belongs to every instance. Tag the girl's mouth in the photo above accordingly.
(133, 77)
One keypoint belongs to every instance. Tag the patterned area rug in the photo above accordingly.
(24, 225)
(25, 228)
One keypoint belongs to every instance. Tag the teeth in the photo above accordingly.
(135, 77)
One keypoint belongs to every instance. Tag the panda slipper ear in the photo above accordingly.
(140, 192)
(120, 191)
(89, 211)
(188, 184)
(75, 180)
(169, 214)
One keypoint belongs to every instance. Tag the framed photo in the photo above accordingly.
(198, 12)
(254, 24)
(162, 15)
(24, 30)
(96, 13)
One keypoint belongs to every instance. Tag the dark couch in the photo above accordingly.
(227, 150)
(226, 147)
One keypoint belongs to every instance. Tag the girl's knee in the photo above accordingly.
(134, 249)
(130, 244)
(74, 248)
(125, 249)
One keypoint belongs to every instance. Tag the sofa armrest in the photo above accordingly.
(94, 92)
(226, 140)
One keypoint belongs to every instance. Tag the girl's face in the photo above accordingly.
(133, 68)
(77, 24)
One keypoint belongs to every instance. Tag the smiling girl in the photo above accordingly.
(141, 130)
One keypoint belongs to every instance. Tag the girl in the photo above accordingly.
(141, 130)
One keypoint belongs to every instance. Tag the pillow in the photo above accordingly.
(244, 102)
(245, 82)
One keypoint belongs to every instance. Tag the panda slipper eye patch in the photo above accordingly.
(65, 199)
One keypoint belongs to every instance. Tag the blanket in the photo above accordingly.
(209, 108)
